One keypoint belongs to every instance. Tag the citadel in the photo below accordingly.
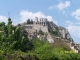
(33, 28)
(45, 26)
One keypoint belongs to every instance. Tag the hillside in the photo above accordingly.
(47, 30)
(16, 45)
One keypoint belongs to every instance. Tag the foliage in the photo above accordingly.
(53, 32)
(47, 51)
(13, 37)
(29, 21)
(61, 45)
(17, 55)
(14, 45)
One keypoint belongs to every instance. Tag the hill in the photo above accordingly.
(47, 30)
(16, 45)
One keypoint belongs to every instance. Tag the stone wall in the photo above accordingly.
(36, 27)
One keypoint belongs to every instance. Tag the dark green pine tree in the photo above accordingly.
(31, 21)
(28, 21)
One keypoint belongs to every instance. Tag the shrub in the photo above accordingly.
(61, 45)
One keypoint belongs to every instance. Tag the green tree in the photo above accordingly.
(28, 21)
(31, 21)
(14, 37)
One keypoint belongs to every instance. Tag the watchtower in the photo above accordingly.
(36, 20)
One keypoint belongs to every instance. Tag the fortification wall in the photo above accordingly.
(38, 27)
(34, 27)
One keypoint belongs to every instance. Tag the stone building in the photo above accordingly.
(37, 25)
(45, 26)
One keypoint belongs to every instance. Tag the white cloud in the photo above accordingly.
(30, 15)
(78, 23)
(69, 22)
(61, 5)
(3, 18)
(75, 1)
(74, 30)
(51, 7)
(76, 14)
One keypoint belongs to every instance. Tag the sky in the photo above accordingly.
(64, 13)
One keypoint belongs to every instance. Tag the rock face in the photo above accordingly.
(64, 33)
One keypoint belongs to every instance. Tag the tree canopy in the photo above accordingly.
(13, 37)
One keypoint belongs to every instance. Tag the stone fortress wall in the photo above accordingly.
(44, 25)
(38, 25)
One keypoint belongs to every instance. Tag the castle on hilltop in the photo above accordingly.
(45, 26)
(34, 27)
(38, 25)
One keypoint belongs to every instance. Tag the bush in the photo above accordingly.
(61, 45)
(54, 32)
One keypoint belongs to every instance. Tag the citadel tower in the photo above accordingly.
(41, 22)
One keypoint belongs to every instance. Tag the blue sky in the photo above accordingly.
(64, 13)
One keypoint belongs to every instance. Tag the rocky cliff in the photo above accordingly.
(59, 33)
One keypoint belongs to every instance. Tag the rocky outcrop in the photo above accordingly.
(64, 33)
